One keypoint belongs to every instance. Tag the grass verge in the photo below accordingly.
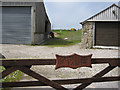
(64, 38)
(15, 76)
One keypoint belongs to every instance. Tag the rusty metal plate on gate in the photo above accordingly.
(73, 61)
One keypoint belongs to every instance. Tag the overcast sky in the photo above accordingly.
(66, 15)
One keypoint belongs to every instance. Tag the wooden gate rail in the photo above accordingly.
(27, 62)
(24, 65)
(61, 82)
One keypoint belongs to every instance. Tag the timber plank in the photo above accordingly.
(61, 82)
(29, 62)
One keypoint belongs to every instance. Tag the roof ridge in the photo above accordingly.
(115, 5)
(101, 12)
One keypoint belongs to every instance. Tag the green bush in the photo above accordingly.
(15, 76)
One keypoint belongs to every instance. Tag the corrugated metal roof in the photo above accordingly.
(109, 14)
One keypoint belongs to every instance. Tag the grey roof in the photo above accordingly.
(109, 14)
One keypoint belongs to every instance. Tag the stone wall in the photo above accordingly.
(87, 35)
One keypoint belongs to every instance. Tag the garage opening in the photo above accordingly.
(106, 34)
(46, 30)
(16, 25)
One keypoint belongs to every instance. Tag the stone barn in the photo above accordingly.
(24, 22)
(101, 30)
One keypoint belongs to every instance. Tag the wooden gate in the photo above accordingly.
(24, 65)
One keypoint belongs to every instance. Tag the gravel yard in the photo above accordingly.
(26, 51)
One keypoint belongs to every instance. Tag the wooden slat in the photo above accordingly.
(100, 74)
(28, 62)
(111, 61)
(61, 82)
(41, 78)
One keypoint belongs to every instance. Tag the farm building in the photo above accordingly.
(101, 30)
(24, 22)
